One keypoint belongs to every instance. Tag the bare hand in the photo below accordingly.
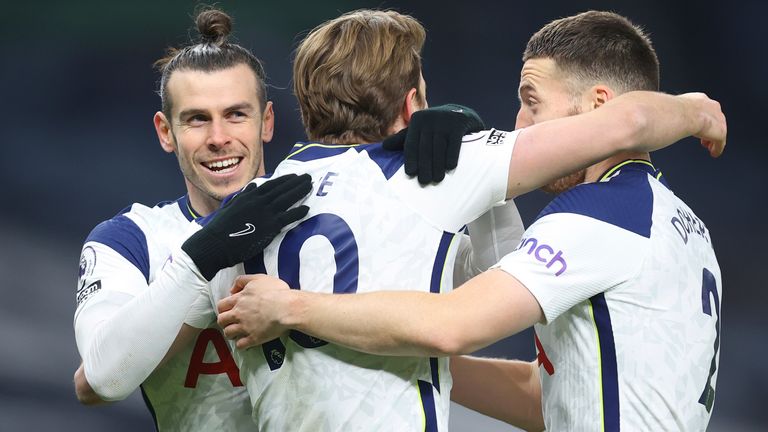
(714, 128)
(85, 394)
(251, 315)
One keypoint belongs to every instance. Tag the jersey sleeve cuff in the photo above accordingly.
(529, 281)
(502, 169)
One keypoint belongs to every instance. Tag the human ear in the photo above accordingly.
(164, 134)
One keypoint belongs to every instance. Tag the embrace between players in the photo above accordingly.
(603, 274)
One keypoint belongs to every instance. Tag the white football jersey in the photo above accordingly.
(369, 227)
(627, 279)
(199, 389)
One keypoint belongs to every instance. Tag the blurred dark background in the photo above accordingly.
(77, 92)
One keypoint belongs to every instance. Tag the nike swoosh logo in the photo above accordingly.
(457, 110)
(249, 229)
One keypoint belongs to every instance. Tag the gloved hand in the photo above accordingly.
(432, 140)
(247, 223)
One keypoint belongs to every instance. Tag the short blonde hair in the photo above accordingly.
(351, 74)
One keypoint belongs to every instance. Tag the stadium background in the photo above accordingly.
(78, 145)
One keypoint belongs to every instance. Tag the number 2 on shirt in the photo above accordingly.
(709, 286)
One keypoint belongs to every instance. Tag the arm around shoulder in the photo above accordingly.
(489, 307)
(660, 119)
(639, 121)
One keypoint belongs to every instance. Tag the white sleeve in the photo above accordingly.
(478, 183)
(202, 313)
(464, 268)
(221, 284)
(123, 326)
(494, 234)
(566, 258)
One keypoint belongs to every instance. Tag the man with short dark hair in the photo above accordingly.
(617, 274)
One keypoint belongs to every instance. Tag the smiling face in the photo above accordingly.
(216, 129)
(545, 95)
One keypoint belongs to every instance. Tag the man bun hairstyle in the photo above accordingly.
(214, 26)
(598, 47)
(212, 52)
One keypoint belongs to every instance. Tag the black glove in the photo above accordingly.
(247, 223)
(432, 140)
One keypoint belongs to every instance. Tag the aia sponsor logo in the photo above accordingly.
(541, 356)
(199, 366)
(545, 254)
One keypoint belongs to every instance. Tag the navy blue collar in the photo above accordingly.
(306, 151)
(186, 208)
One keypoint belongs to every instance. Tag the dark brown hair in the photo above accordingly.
(351, 74)
(211, 53)
(597, 47)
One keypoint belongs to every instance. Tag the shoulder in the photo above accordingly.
(388, 161)
(625, 201)
(127, 232)
(121, 225)
(137, 219)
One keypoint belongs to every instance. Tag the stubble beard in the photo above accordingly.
(187, 167)
(565, 183)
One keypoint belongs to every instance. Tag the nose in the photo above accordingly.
(523, 119)
(218, 136)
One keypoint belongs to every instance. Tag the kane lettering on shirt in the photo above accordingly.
(369, 225)
(626, 276)
(199, 389)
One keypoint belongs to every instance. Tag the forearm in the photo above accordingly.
(656, 120)
(121, 351)
(633, 122)
(366, 322)
(645, 121)
(504, 389)
(487, 308)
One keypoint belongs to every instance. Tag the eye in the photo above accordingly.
(196, 120)
(237, 116)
